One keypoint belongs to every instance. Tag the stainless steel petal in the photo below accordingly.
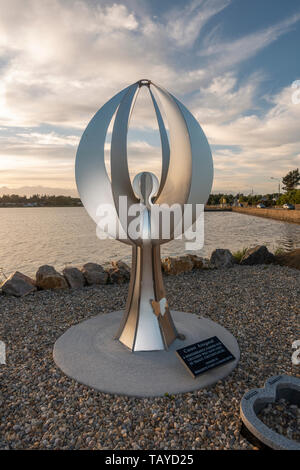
(165, 148)
(202, 163)
(179, 175)
(91, 176)
(120, 179)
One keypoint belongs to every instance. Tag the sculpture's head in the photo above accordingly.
(187, 169)
(145, 185)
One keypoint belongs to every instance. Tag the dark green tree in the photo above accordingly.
(291, 180)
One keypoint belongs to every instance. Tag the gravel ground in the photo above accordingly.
(283, 417)
(41, 408)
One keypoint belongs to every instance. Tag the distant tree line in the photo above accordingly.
(250, 199)
(290, 183)
(290, 197)
(39, 200)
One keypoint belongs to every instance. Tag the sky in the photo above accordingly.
(234, 63)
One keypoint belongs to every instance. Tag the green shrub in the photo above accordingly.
(290, 197)
(238, 255)
(279, 251)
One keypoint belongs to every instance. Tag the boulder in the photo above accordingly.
(74, 277)
(291, 259)
(197, 261)
(119, 272)
(18, 284)
(94, 273)
(48, 278)
(222, 258)
(257, 255)
(177, 265)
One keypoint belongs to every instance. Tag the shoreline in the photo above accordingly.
(20, 206)
(75, 277)
(282, 215)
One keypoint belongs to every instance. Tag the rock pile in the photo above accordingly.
(47, 277)
(118, 272)
(283, 417)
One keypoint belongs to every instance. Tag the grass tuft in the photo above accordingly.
(279, 251)
(238, 255)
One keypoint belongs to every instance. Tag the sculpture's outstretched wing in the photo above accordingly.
(92, 181)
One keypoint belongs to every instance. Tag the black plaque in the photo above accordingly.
(205, 355)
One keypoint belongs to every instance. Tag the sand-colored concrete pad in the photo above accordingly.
(88, 353)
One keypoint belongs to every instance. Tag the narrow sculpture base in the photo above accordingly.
(88, 353)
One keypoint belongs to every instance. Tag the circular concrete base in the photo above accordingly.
(88, 353)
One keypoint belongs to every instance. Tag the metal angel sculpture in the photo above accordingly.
(186, 180)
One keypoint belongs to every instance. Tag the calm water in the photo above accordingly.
(31, 237)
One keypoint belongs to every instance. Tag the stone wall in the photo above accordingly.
(278, 214)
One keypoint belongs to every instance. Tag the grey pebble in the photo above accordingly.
(44, 409)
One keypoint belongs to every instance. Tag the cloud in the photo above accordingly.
(223, 99)
(65, 58)
(275, 128)
(141, 156)
(184, 26)
(224, 54)
(50, 158)
(261, 146)
(62, 59)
